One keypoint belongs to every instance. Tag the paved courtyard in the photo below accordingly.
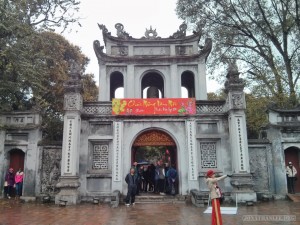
(13, 212)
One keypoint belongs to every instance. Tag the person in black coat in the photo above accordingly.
(132, 182)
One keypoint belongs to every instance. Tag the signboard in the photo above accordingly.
(154, 106)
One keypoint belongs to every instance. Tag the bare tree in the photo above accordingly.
(261, 35)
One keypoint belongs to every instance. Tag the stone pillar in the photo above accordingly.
(192, 155)
(117, 180)
(69, 180)
(242, 179)
(104, 84)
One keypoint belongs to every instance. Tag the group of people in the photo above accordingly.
(13, 183)
(158, 177)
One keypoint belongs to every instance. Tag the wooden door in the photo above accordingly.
(292, 155)
(16, 159)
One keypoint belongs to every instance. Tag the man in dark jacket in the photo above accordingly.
(132, 182)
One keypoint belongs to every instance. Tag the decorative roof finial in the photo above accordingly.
(121, 33)
(151, 34)
(181, 33)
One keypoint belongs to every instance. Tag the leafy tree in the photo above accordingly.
(262, 36)
(34, 61)
(256, 115)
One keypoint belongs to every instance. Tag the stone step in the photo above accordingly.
(294, 197)
(153, 198)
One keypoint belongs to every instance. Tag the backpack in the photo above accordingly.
(172, 173)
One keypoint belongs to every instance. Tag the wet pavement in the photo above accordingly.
(273, 212)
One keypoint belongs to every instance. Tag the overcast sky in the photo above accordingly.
(135, 15)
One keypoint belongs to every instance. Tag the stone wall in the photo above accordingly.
(50, 169)
(260, 157)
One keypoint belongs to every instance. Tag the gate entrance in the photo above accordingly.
(150, 149)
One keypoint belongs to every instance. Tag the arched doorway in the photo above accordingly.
(292, 154)
(152, 146)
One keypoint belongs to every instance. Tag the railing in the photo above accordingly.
(202, 107)
(210, 107)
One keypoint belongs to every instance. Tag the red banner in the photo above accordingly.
(154, 106)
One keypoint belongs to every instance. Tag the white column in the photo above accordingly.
(200, 82)
(174, 82)
(192, 155)
(104, 84)
(129, 84)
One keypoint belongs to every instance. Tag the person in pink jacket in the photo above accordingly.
(19, 182)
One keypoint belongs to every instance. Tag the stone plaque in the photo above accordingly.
(193, 172)
(164, 50)
(117, 156)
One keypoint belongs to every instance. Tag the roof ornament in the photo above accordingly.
(121, 33)
(181, 33)
(151, 34)
(233, 82)
(103, 28)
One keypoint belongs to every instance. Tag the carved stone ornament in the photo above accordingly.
(233, 82)
(74, 69)
(123, 50)
(181, 33)
(50, 171)
(73, 102)
(237, 101)
(121, 33)
(103, 28)
(154, 138)
(151, 34)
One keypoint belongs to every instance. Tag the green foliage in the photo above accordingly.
(256, 115)
(261, 36)
(34, 62)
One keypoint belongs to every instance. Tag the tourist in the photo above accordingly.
(215, 195)
(10, 183)
(291, 174)
(156, 177)
(137, 175)
(167, 187)
(141, 178)
(161, 176)
(151, 171)
(19, 182)
(146, 179)
(172, 176)
(131, 180)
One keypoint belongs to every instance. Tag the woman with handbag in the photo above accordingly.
(215, 195)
